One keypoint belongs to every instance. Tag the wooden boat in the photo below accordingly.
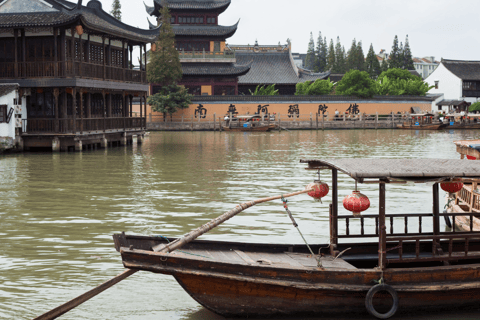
(468, 198)
(423, 121)
(457, 121)
(249, 123)
(395, 267)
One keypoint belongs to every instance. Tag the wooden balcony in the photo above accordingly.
(69, 69)
(49, 126)
(207, 56)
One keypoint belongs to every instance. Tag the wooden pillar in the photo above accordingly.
(436, 210)
(103, 109)
(131, 107)
(63, 52)
(65, 112)
(89, 105)
(15, 34)
(145, 102)
(24, 55)
(109, 106)
(145, 71)
(130, 64)
(81, 111)
(124, 56)
(80, 54)
(87, 53)
(72, 30)
(124, 111)
(382, 243)
(74, 109)
(104, 64)
(55, 52)
(56, 93)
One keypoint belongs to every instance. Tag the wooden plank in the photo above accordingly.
(245, 257)
(330, 262)
(304, 259)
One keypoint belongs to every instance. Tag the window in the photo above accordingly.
(172, 20)
(3, 113)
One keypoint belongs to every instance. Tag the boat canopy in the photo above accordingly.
(417, 170)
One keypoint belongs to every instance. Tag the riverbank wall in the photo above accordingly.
(207, 113)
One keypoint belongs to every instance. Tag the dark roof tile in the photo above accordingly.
(465, 70)
(195, 4)
(214, 69)
(6, 88)
(273, 68)
(205, 30)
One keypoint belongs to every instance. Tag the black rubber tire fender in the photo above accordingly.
(369, 301)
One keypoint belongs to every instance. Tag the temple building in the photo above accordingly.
(73, 66)
(272, 64)
(209, 67)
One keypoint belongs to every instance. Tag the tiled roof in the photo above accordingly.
(6, 88)
(455, 103)
(62, 12)
(465, 70)
(205, 31)
(415, 73)
(273, 68)
(195, 4)
(214, 69)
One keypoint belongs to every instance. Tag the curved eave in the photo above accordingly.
(214, 69)
(185, 6)
(223, 32)
(38, 19)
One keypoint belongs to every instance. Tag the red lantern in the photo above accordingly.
(471, 157)
(356, 202)
(451, 186)
(320, 189)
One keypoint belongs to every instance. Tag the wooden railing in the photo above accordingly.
(417, 244)
(51, 69)
(226, 54)
(66, 126)
(470, 197)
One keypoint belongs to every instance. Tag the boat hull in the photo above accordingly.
(421, 127)
(261, 128)
(264, 280)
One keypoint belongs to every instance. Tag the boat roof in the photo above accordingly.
(422, 114)
(418, 170)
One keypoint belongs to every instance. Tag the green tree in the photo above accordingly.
(116, 11)
(397, 73)
(407, 56)
(262, 90)
(356, 83)
(340, 61)
(164, 66)
(372, 65)
(331, 56)
(351, 56)
(317, 88)
(474, 107)
(395, 55)
(310, 58)
(400, 82)
(360, 57)
(320, 55)
(170, 99)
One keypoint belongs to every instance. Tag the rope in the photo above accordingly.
(192, 254)
(319, 263)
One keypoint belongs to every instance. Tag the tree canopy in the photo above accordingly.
(170, 98)
(116, 11)
(262, 90)
(317, 88)
(310, 58)
(164, 66)
(372, 65)
(356, 83)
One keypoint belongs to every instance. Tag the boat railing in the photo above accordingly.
(470, 197)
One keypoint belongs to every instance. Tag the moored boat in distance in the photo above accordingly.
(393, 267)
(422, 121)
(248, 123)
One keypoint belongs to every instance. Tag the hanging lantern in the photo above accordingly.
(451, 186)
(79, 29)
(356, 202)
(320, 189)
(154, 47)
(471, 157)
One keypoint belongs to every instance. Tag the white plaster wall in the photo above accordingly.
(449, 84)
(8, 129)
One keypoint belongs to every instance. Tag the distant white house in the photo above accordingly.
(425, 66)
(11, 114)
(457, 80)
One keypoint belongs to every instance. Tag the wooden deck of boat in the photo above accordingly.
(285, 260)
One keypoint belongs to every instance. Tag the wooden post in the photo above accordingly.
(334, 210)
(214, 119)
(104, 63)
(103, 109)
(376, 120)
(55, 52)
(81, 111)
(192, 123)
(311, 121)
(316, 121)
(124, 110)
(80, 54)
(15, 34)
(344, 117)
(74, 109)
(230, 120)
(323, 121)
(436, 210)
(72, 49)
(56, 92)
(24, 54)
(382, 244)
(220, 124)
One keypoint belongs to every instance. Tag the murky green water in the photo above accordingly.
(58, 211)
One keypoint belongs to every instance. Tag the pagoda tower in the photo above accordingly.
(208, 65)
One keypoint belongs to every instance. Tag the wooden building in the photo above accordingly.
(73, 64)
(208, 66)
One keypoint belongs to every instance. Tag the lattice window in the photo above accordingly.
(3, 113)
(117, 58)
(96, 54)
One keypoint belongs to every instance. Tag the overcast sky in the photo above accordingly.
(440, 28)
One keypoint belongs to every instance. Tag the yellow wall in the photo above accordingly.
(222, 46)
(207, 90)
(220, 109)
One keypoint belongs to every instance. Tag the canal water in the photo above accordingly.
(58, 211)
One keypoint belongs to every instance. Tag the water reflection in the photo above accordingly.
(58, 211)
